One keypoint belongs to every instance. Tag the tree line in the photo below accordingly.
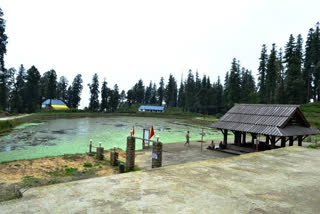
(285, 76)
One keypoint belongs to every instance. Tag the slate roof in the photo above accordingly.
(152, 108)
(265, 119)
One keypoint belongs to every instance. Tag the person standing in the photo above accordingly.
(187, 138)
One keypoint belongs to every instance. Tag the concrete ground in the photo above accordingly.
(277, 181)
(177, 153)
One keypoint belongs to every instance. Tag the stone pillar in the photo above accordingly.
(244, 138)
(157, 155)
(100, 152)
(291, 141)
(225, 136)
(114, 158)
(283, 141)
(273, 142)
(130, 153)
(299, 140)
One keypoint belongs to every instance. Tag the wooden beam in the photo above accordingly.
(244, 138)
(267, 139)
(291, 141)
(299, 140)
(283, 141)
(225, 136)
(273, 142)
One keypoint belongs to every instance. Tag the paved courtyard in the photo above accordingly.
(278, 181)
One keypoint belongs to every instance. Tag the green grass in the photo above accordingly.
(314, 146)
(87, 164)
(7, 125)
(31, 181)
(63, 173)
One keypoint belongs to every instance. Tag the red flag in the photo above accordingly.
(132, 130)
(151, 132)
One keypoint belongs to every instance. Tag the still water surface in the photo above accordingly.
(70, 136)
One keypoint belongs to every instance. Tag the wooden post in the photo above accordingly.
(225, 136)
(283, 141)
(244, 138)
(90, 146)
(143, 137)
(299, 140)
(273, 142)
(291, 141)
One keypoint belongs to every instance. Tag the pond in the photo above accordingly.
(71, 136)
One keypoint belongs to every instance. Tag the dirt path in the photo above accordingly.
(14, 117)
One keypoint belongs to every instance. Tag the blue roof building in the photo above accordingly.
(151, 108)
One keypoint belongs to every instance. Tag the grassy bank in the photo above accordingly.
(7, 125)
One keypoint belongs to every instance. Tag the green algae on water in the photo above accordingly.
(25, 125)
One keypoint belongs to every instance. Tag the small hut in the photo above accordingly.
(275, 123)
(54, 104)
(151, 108)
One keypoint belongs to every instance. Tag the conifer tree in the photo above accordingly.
(234, 90)
(161, 91)
(139, 92)
(114, 98)
(316, 62)
(181, 96)
(3, 71)
(76, 90)
(147, 96)
(171, 92)
(153, 99)
(62, 89)
(104, 96)
(280, 91)
(262, 74)
(293, 79)
(219, 89)
(308, 67)
(19, 99)
(94, 91)
(32, 97)
(190, 90)
(271, 74)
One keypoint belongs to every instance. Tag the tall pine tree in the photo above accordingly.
(94, 91)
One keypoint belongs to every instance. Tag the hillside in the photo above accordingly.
(312, 113)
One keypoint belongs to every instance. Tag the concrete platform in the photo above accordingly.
(277, 181)
(177, 153)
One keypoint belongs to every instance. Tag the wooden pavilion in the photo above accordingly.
(276, 122)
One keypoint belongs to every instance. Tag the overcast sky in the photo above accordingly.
(127, 40)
